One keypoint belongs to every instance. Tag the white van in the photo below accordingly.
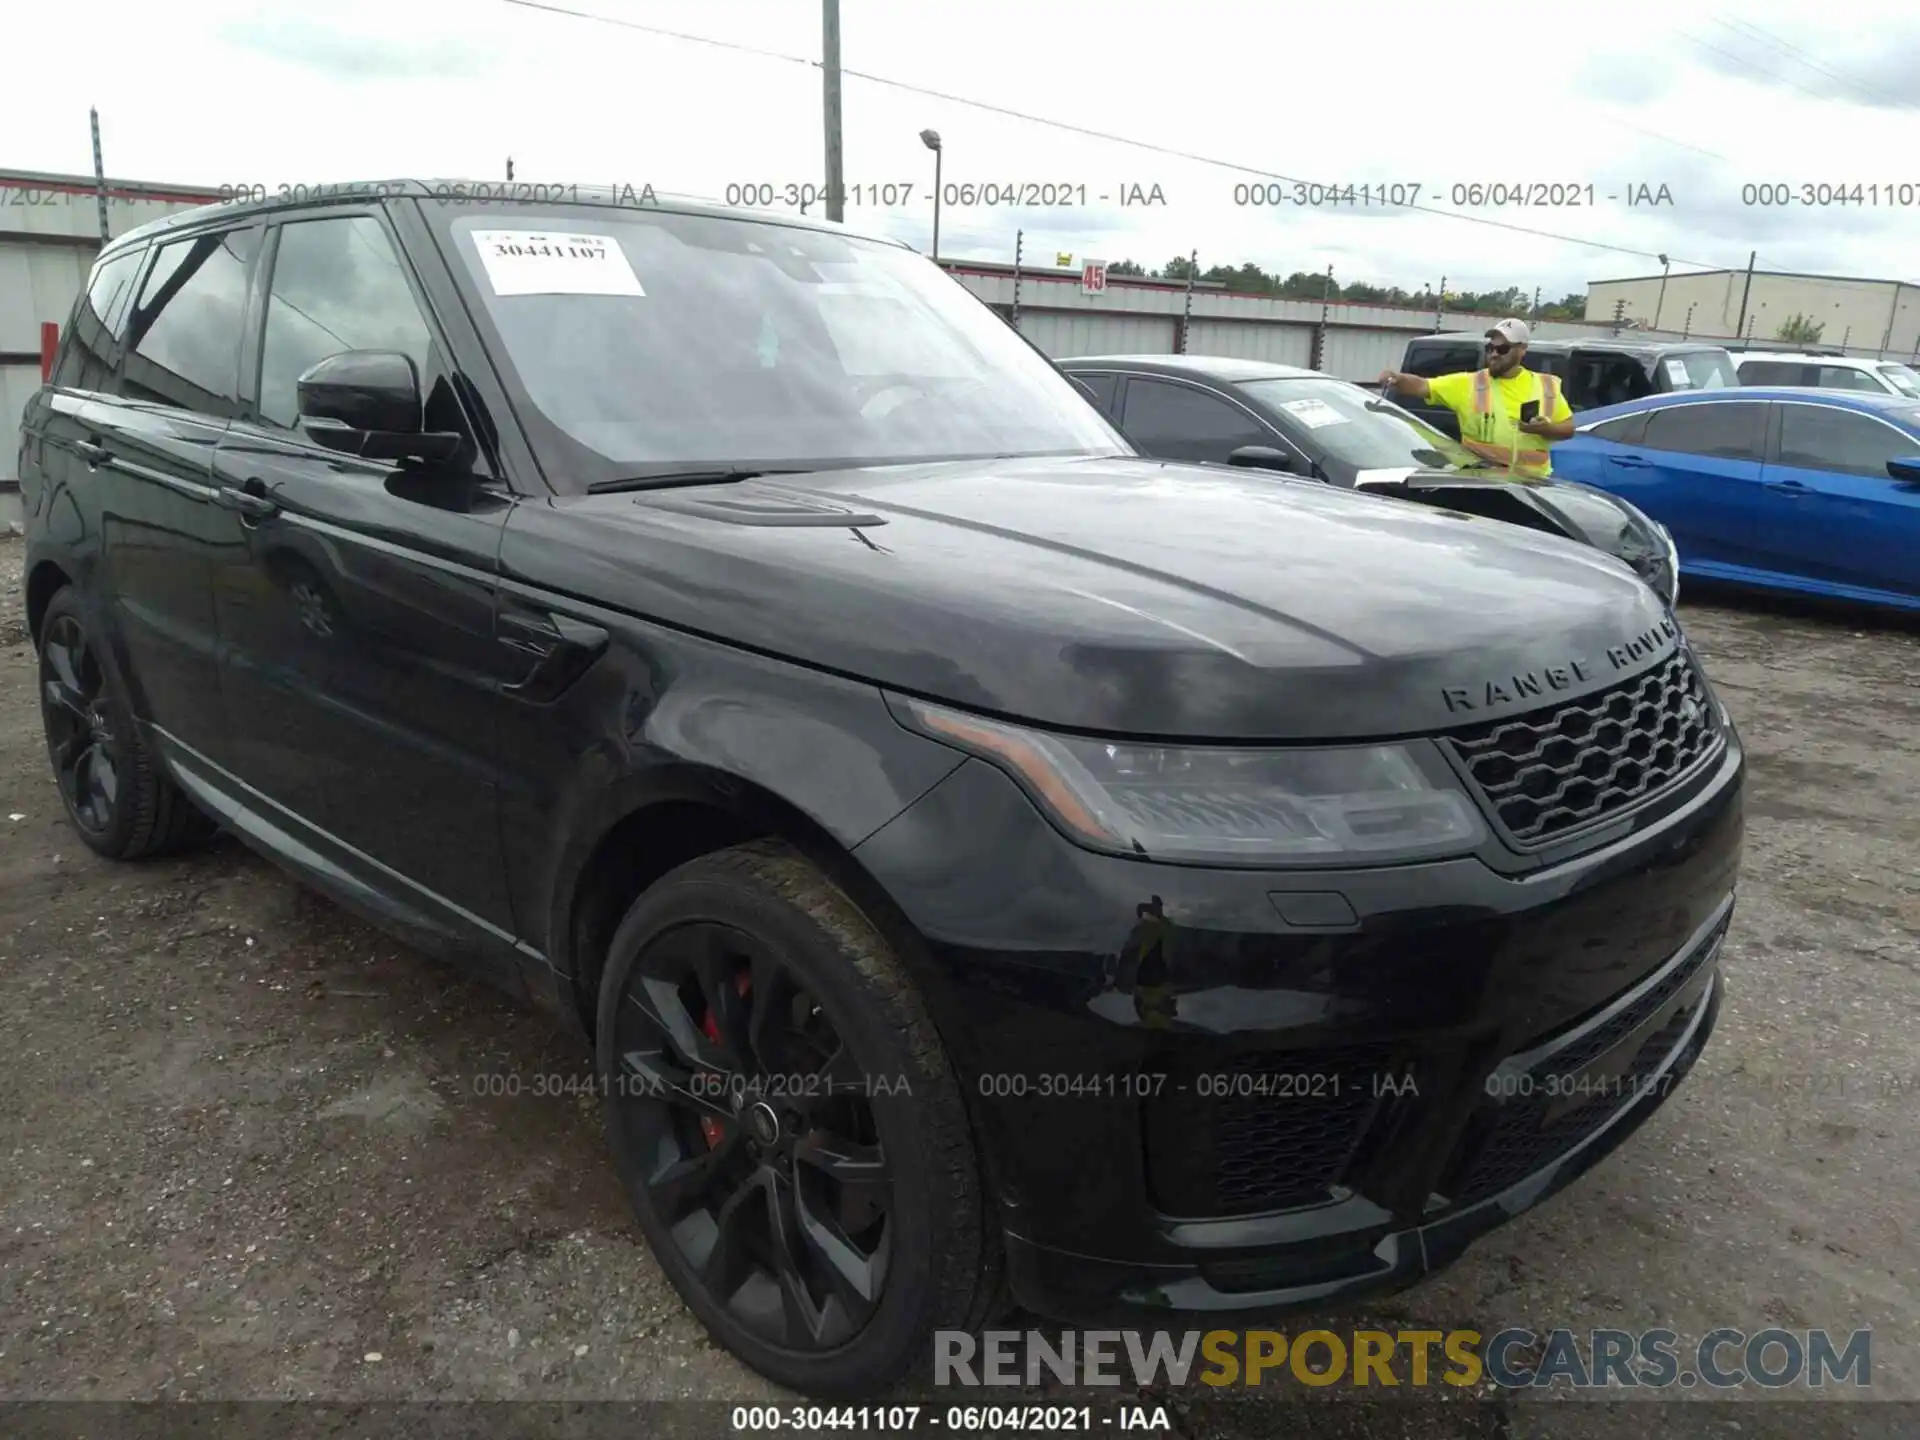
(1829, 372)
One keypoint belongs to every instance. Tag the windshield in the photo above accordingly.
(1903, 378)
(647, 340)
(1353, 426)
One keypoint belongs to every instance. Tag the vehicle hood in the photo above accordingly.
(1114, 595)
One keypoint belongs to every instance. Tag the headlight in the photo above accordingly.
(1648, 547)
(1224, 806)
(1673, 560)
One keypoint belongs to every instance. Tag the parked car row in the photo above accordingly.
(1301, 422)
(1592, 373)
(1814, 491)
(988, 865)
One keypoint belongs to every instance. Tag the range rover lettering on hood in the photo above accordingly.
(1509, 689)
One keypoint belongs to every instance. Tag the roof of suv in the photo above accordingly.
(496, 192)
(1846, 362)
(1214, 367)
(1609, 344)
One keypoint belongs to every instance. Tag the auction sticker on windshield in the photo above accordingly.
(540, 262)
(1313, 413)
(1677, 373)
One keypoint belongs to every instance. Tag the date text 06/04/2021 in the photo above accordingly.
(962, 194)
(1474, 194)
(960, 1419)
(459, 192)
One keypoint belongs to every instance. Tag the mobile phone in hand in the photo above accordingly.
(1529, 411)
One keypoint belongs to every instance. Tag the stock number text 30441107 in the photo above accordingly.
(1268, 194)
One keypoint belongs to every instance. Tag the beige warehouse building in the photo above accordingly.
(1868, 317)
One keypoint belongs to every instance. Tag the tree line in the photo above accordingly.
(1250, 279)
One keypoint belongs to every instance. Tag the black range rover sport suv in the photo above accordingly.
(987, 865)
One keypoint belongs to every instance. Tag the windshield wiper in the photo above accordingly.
(670, 479)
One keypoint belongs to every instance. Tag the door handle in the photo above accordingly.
(1631, 462)
(94, 453)
(1792, 489)
(251, 503)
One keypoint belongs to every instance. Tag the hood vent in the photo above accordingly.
(764, 510)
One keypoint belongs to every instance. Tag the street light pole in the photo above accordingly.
(830, 83)
(931, 139)
(1660, 304)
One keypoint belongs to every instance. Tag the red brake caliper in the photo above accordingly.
(710, 1126)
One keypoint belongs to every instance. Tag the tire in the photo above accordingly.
(115, 790)
(757, 910)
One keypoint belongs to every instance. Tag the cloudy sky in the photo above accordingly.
(1697, 98)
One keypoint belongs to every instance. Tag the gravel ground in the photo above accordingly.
(247, 1152)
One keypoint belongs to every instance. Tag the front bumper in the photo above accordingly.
(1349, 1075)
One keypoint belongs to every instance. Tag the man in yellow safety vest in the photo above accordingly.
(1489, 402)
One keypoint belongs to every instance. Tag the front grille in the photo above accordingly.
(1260, 1132)
(1520, 1140)
(1556, 770)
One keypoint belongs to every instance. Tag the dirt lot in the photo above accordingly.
(246, 1151)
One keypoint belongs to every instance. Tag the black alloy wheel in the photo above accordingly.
(116, 793)
(87, 758)
(792, 1142)
(766, 1161)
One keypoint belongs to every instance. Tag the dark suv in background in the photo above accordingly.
(1592, 372)
(988, 865)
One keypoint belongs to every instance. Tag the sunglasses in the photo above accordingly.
(1495, 347)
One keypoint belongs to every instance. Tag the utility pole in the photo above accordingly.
(1186, 310)
(1661, 303)
(509, 167)
(1533, 315)
(1440, 307)
(1746, 292)
(1845, 337)
(1019, 245)
(830, 80)
(1687, 332)
(1619, 314)
(99, 177)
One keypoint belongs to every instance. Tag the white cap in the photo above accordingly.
(1514, 332)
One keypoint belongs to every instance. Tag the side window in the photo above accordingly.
(91, 350)
(337, 285)
(1845, 377)
(1624, 430)
(1102, 385)
(1823, 437)
(1772, 372)
(1726, 432)
(1596, 381)
(1179, 422)
(1446, 358)
(185, 332)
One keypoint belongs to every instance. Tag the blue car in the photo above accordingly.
(1812, 491)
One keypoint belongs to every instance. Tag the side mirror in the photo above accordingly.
(1263, 457)
(1907, 469)
(367, 402)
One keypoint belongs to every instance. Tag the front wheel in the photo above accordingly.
(793, 1141)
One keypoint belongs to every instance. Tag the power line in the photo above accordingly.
(1792, 51)
(1091, 133)
(1747, 64)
